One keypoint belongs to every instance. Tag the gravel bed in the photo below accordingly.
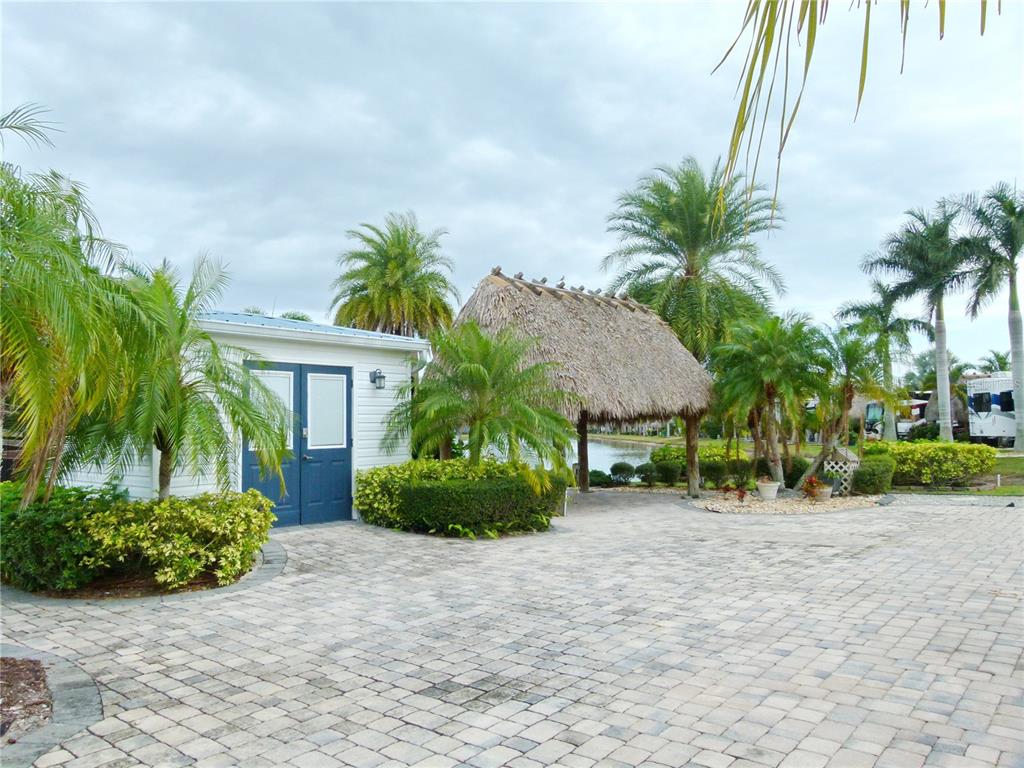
(752, 505)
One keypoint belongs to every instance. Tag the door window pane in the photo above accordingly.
(280, 383)
(1006, 401)
(325, 410)
(982, 402)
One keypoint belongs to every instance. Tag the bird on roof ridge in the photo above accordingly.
(542, 281)
(518, 275)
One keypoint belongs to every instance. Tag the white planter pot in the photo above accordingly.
(824, 494)
(768, 491)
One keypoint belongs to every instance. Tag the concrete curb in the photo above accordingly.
(76, 706)
(273, 558)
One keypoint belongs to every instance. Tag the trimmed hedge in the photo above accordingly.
(622, 472)
(377, 489)
(668, 471)
(79, 533)
(478, 507)
(647, 473)
(874, 475)
(926, 463)
(599, 478)
(678, 453)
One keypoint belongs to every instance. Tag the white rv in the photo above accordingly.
(990, 408)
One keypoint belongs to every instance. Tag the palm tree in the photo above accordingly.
(891, 333)
(395, 281)
(685, 250)
(770, 367)
(998, 219)
(483, 383)
(190, 395)
(63, 320)
(852, 369)
(295, 314)
(994, 362)
(928, 258)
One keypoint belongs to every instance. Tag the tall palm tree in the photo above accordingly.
(686, 250)
(771, 366)
(998, 219)
(891, 334)
(928, 258)
(994, 362)
(396, 280)
(190, 395)
(483, 383)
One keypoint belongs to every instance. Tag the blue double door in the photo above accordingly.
(318, 475)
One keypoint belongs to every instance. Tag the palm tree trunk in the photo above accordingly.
(582, 456)
(164, 474)
(889, 414)
(1017, 360)
(692, 465)
(942, 376)
(772, 438)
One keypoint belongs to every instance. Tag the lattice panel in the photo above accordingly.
(842, 470)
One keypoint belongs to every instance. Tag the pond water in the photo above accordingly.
(604, 452)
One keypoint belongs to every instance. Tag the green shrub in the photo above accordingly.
(599, 479)
(678, 453)
(41, 547)
(647, 473)
(928, 431)
(740, 471)
(714, 472)
(622, 472)
(940, 463)
(874, 475)
(668, 471)
(478, 507)
(179, 538)
(377, 489)
(80, 532)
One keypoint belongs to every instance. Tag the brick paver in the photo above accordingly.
(637, 632)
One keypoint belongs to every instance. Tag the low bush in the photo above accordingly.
(715, 472)
(740, 471)
(926, 463)
(622, 472)
(179, 538)
(472, 508)
(874, 475)
(678, 453)
(647, 473)
(79, 533)
(41, 546)
(599, 479)
(668, 471)
(377, 489)
(923, 432)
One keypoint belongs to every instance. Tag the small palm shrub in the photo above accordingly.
(648, 474)
(668, 471)
(622, 472)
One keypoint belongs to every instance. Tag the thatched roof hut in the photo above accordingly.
(618, 356)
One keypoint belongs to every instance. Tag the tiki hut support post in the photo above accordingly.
(692, 465)
(582, 453)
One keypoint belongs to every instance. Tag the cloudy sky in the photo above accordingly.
(262, 132)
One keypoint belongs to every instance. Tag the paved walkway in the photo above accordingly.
(637, 632)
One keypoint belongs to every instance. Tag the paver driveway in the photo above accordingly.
(637, 632)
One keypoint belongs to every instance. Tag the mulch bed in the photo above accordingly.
(24, 698)
(133, 584)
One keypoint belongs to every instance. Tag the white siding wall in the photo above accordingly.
(370, 407)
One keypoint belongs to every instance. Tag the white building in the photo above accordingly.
(339, 383)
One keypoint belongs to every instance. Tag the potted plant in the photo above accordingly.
(767, 488)
(815, 490)
(833, 482)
